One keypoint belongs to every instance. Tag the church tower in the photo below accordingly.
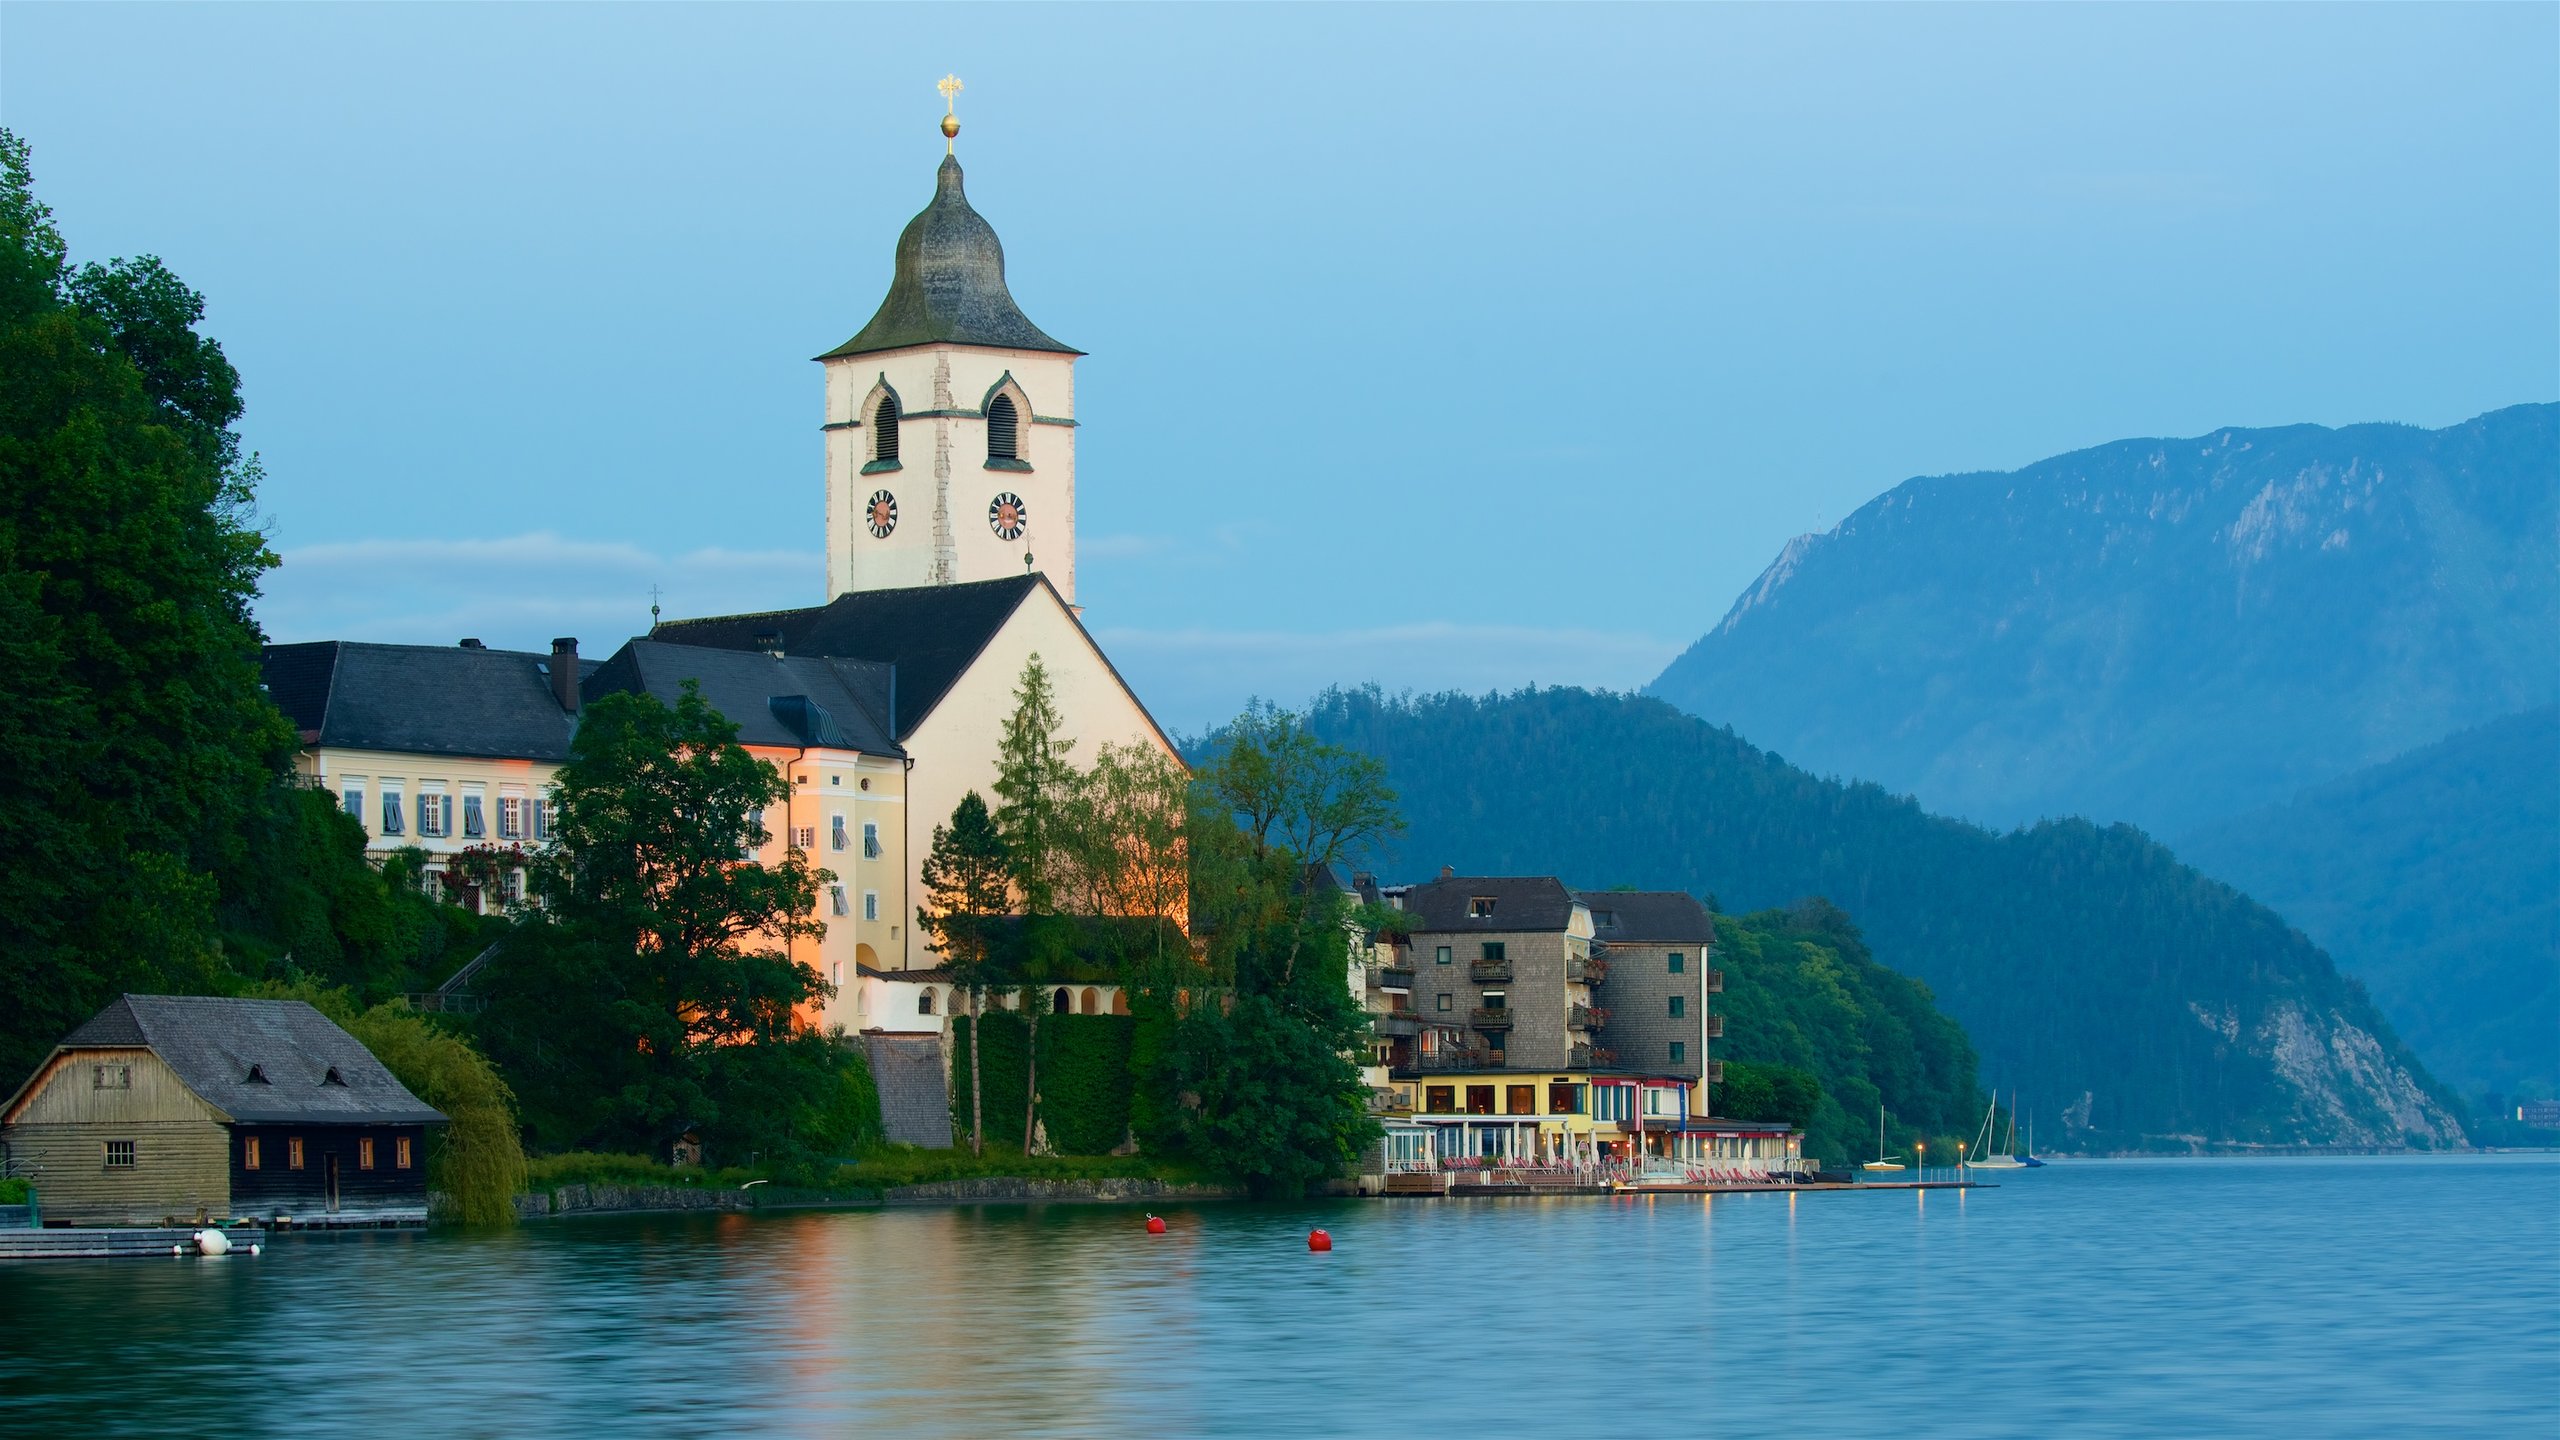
(950, 420)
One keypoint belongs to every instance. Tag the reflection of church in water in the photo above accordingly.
(950, 440)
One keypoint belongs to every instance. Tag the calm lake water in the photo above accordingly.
(2406, 1296)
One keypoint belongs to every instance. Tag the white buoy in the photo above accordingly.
(212, 1242)
(256, 1248)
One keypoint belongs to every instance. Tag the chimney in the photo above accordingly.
(564, 672)
(473, 645)
(1448, 872)
(770, 642)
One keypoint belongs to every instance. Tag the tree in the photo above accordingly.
(1124, 851)
(967, 884)
(136, 745)
(654, 989)
(1037, 783)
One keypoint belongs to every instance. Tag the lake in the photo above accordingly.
(2335, 1297)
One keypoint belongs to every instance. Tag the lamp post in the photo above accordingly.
(1924, 1162)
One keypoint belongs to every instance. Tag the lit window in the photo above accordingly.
(1440, 1100)
(870, 839)
(293, 1152)
(119, 1154)
(1679, 962)
(248, 1152)
(400, 1155)
(364, 1152)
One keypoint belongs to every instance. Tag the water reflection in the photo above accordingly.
(2232, 1298)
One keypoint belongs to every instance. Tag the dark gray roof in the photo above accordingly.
(1638, 916)
(949, 286)
(931, 633)
(1521, 902)
(214, 1043)
(421, 699)
(786, 700)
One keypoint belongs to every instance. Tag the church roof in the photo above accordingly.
(812, 700)
(949, 287)
(931, 633)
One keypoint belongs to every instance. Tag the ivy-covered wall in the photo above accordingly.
(1085, 1080)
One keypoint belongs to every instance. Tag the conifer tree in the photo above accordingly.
(967, 884)
(1037, 784)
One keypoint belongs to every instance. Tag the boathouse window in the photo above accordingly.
(293, 1152)
(1679, 962)
(1493, 950)
(1479, 1099)
(119, 1154)
(1440, 1100)
(1679, 1006)
(113, 1077)
(1441, 956)
(364, 1152)
(400, 1152)
(1003, 429)
(1521, 1100)
(248, 1152)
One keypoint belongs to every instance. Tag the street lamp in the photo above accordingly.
(1924, 1162)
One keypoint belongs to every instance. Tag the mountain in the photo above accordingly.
(2161, 631)
(2434, 879)
(2136, 1003)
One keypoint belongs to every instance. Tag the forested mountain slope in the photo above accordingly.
(2138, 1003)
(2434, 879)
(2165, 632)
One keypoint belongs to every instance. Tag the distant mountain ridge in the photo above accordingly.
(2137, 1004)
(2160, 631)
(2435, 879)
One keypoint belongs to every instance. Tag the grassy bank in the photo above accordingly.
(867, 1175)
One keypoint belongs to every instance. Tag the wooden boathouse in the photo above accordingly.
(186, 1107)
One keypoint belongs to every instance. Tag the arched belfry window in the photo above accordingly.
(1004, 429)
(884, 430)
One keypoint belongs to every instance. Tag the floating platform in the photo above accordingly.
(102, 1243)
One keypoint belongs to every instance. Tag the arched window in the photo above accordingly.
(884, 430)
(1004, 429)
(1090, 1002)
(1060, 1003)
(1119, 1002)
(924, 1003)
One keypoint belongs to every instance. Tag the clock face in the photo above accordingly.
(1006, 516)
(881, 514)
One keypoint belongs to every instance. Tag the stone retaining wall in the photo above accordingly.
(598, 1199)
(608, 1199)
(999, 1190)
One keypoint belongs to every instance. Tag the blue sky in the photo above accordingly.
(1429, 346)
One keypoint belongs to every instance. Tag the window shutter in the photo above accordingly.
(1003, 429)
(884, 429)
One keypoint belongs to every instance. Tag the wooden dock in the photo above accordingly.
(103, 1243)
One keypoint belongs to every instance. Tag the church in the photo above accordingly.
(949, 470)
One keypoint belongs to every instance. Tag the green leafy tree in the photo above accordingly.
(654, 994)
(1037, 783)
(968, 883)
(136, 746)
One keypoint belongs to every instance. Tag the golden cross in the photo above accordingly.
(950, 86)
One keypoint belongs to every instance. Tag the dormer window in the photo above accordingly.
(1004, 429)
(257, 1076)
(333, 1077)
(1480, 907)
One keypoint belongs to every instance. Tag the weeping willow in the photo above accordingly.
(477, 1160)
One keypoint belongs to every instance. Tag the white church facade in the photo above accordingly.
(949, 473)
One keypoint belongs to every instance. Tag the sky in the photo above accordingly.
(1431, 347)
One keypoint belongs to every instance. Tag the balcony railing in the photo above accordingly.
(1715, 1027)
(1715, 1072)
(1586, 972)
(1444, 1062)
(1577, 1057)
(1396, 1022)
(1715, 982)
(1484, 1019)
(1391, 977)
(1489, 972)
(1585, 1017)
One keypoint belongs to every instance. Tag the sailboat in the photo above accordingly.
(2029, 1159)
(2004, 1160)
(1880, 1164)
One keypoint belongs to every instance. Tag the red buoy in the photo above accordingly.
(1318, 1240)
(1155, 1224)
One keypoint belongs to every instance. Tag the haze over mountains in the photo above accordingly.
(2160, 631)
(2251, 642)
